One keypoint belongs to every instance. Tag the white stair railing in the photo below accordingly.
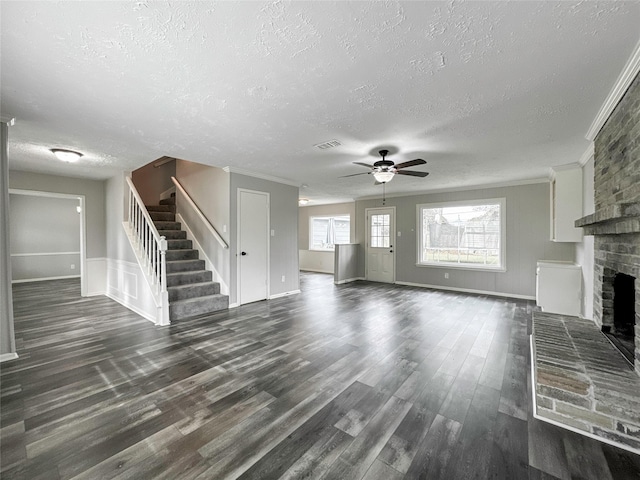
(151, 249)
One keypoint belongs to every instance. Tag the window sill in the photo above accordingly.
(456, 266)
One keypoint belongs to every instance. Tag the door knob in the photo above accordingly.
(243, 253)
(390, 251)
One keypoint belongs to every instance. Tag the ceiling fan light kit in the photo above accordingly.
(383, 176)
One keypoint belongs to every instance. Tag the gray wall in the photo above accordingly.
(44, 230)
(527, 222)
(314, 260)
(7, 339)
(346, 263)
(93, 191)
(283, 255)
(209, 189)
(151, 181)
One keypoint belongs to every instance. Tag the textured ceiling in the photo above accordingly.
(486, 92)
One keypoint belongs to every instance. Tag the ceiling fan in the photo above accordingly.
(384, 170)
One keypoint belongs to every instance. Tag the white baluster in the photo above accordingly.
(163, 264)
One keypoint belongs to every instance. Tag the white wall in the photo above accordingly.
(527, 241)
(313, 260)
(585, 249)
(125, 281)
(45, 237)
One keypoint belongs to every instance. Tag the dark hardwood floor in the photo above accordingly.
(359, 381)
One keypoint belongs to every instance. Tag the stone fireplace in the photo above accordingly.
(617, 264)
(616, 221)
(581, 381)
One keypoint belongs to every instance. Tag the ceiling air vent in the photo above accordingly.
(329, 144)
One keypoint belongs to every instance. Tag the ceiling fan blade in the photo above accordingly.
(411, 163)
(354, 174)
(363, 164)
(412, 173)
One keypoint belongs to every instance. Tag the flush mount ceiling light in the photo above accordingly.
(303, 201)
(66, 155)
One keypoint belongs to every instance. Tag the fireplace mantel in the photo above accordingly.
(617, 219)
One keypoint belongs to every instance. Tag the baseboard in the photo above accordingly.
(133, 308)
(315, 270)
(44, 279)
(5, 357)
(128, 285)
(348, 280)
(468, 290)
(284, 294)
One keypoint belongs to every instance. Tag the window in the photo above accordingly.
(325, 232)
(467, 234)
(380, 235)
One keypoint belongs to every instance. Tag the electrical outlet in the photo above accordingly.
(282, 278)
(73, 267)
(446, 275)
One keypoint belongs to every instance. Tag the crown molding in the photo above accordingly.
(270, 178)
(468, 188)
(11, 121)
(629, 72)
(588, 154)
(560, 168)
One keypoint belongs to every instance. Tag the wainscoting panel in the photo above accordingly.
(128, 286)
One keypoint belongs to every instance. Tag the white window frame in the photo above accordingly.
(311, 218)
(465, 266)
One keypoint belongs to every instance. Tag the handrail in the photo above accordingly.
(200, 214)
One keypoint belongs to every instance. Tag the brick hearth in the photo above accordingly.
(583, 382)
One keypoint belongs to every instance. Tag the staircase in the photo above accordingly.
(191, 291)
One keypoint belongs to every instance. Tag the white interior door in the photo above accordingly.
(380, 260)
(253, 246)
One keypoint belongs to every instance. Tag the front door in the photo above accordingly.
(381, 264)
(253, 245)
